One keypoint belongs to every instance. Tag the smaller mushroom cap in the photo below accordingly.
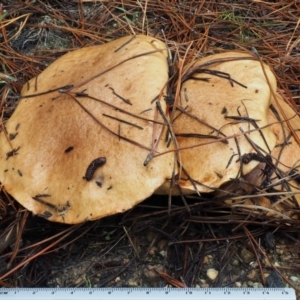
(218, 108)
(283, 176)
(286, 156)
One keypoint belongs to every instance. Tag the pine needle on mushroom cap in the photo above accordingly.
(225, 95)
(74, 148)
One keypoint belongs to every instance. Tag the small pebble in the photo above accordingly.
(126, 261)
(205, 260)
(132, 282)
(235, 262)
(151, 274)
(280, 251)
(250, 283)
(253, 264)
(286, 257)
(294, 278)
(152, 251)
(237, 284)
(212, 274)
(79, 280)
(252, 275)
(247, 256)
(163, 253)
(267, 262)
(257, 285)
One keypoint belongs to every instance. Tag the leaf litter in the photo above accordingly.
(164, 240)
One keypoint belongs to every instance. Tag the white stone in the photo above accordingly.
(163, 253)
(294, 278)
(212, 274)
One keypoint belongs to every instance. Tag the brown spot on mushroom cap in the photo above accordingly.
(53, 121)
(214, 164)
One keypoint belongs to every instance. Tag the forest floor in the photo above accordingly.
(150, 245)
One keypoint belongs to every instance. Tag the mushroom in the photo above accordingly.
(281, 175)
(285, 174)
(286, 155)
(223, 106)
(74, 148)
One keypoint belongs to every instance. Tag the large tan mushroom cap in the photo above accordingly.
(223, 110)
(55, 136)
